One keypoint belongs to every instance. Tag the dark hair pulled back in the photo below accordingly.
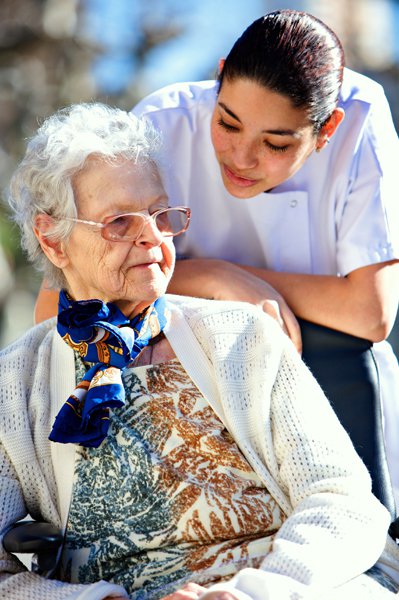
(292, 53)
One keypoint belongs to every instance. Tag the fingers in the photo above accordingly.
(292, 328)
(220, 596)
(280, 312)
(272, 308)
(237, 284)
(191, 591)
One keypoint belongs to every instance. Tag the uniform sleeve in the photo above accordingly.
(368, 226)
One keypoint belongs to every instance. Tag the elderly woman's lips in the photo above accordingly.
(147, 264)
(236, 179)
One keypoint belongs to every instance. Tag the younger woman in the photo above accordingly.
(288, 163)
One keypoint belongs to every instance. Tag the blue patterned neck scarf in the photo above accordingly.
(103, 335)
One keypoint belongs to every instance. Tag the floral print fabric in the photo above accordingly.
(168, 497)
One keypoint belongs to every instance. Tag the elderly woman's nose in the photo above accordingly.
(150, 233)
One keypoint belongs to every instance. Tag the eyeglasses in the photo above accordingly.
(129, 226)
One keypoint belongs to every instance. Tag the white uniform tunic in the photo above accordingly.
(338, 213)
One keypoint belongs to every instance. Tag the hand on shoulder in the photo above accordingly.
(222, 280)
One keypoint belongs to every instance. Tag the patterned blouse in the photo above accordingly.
(168, 497)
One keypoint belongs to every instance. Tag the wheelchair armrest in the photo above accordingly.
(394, 529)
(33, 537)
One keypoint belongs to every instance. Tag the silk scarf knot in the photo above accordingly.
(103, 335)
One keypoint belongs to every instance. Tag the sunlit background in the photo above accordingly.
(56, 52)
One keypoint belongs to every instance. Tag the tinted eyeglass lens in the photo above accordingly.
(171, 222)
(124, 227)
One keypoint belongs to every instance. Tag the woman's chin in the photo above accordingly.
(149, 293)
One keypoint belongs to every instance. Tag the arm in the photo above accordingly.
(363, 304)
(27, 480)
(222, 280)
(333, 508)
(335, 528)
(15, 580)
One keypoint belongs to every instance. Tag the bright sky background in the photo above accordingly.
(210, 27)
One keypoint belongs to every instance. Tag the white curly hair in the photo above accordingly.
(42, 183)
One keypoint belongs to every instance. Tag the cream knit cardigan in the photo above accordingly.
(255, 381)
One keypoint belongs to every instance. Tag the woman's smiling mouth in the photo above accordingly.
(236, 179)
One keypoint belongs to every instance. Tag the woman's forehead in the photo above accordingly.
(118, 185)
(249, 101)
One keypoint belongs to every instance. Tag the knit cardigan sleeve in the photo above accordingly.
(276, 411)
(27, 478)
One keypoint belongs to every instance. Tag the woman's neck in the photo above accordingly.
(155, 354)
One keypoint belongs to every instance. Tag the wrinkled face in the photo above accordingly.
(260, 139)
(130, 274)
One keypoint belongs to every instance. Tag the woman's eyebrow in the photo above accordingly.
(290, 132)
(282, 132)
(228, 111)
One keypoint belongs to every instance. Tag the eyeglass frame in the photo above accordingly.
(102, 225)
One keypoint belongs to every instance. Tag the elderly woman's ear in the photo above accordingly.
(52, 247)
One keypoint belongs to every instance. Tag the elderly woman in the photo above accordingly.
(181, 444)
